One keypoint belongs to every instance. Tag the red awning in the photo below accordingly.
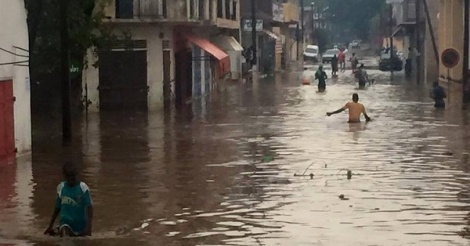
(219, 54)
(207, 46)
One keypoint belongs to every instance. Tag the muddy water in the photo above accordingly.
(235, 170)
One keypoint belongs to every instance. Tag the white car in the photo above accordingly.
(355, 44)
(311, 53)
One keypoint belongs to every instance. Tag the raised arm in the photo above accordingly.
(336, 112)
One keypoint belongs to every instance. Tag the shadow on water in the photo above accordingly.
(224, 170)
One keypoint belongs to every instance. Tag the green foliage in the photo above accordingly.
(86, 30)
(354, 15)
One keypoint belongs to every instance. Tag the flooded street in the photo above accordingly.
(237, 171)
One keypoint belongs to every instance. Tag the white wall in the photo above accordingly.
(154, 65)
(14, 32)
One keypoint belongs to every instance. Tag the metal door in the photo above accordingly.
(123, 79)
(7, 124)
(167, 93)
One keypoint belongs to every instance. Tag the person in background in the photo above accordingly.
(321, 76)
(342, 60)
(362, 76)
(354, 62)
(438, 94)
(334, 66)
(355, 110)
(74, 206)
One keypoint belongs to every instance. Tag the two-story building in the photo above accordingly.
(15, 110)
(405, 35)
(163, 54)
(290, 29)
(269, 16)
(451, 35)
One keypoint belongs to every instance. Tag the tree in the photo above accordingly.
(86, 31)
(354, 15)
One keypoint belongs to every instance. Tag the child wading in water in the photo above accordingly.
(73, 204)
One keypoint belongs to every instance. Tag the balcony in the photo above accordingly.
(176, 11)
(406, 12)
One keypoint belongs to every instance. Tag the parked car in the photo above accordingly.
(311, 53)
(355, 44)
(328, 55)
(386, 63)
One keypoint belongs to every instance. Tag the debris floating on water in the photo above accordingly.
(342, 197)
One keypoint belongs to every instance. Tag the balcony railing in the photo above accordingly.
(129, 9)
(407, 12)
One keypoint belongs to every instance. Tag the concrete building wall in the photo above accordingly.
(153, 35)
(431, 68)
(451, 32)
(14, 32)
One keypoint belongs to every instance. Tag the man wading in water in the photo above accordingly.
(355, 109)
(321, 76)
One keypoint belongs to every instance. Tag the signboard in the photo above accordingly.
(450, 58)
(74, 69)
(278, 12)
(247, 26)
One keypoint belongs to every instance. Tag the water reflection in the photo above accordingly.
(221, 171)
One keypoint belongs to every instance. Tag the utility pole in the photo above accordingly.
(431, 31)
(313, 24)
(466, 50)
(253, 34)
(65, 73)
(418, 41)
(297, 34)
(302, 10)
(391, 39)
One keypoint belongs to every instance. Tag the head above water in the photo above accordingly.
(435, 83)
(320, 67)
(355, 97)
(70, 172)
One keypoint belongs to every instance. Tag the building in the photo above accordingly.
(156, 39)
(290, 31)
(405, 32)
(269, 17)
(15, 109)
(451, 33)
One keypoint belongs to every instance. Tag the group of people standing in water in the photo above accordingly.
(359, 73)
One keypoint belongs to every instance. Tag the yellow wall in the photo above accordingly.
(451, 34)
(291, 12)
(397, 42)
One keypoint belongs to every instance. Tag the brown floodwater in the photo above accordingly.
(235, 169)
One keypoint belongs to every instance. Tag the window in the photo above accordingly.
(192, 11)
(234, 10)
(220, 10)
(202, 8)
(124, 9)
(227, 9)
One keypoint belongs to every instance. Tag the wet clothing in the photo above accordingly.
(362, 77)
(355, 111)
(438, 94)
(334, 64)
(321, 76)
(354, 62)
(73, 202)
(342, 60)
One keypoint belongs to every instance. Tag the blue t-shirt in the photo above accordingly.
(72, 202)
